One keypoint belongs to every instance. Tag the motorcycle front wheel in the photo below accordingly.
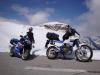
(51, 52)
(25, 55)
(84, 53)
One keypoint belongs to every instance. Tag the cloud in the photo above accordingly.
(50, 10)
(21, 10)
(3, 19)
(90, 21)
(38, 18)
(34, 18)
(50, 2)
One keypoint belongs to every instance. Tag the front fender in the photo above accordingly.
(82, 44)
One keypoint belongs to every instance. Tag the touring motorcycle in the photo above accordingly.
(82, 53)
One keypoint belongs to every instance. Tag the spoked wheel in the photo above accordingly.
(84, 53)
(51, 52)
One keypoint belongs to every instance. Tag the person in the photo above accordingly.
(31, 35)
(50, 37)
(71, 32)
(66, 35)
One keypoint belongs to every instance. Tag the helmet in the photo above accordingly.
(30, 29)
(21, 35)
(67, 26)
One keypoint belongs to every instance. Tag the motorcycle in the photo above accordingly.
(83, 53)
(20, 48)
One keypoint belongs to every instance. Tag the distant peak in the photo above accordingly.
(53, 23)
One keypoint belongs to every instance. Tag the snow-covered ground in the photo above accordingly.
(6, 33)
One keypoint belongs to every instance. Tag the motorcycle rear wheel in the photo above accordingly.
(11, 53)
(51, 52)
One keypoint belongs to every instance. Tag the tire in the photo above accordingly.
(51, 52)
(81, 53)
(11, 53)
(25, 55)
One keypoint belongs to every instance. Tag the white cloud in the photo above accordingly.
(90, 21)
(21, 10)
(2, 19)
(36, 18)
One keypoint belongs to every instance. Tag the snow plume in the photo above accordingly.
(34, 18)
(90, 20)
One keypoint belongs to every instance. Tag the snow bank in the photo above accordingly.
(96, 55)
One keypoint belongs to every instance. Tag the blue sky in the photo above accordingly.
(59, 9)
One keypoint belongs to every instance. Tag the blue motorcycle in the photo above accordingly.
(83, 53)
(20, 48)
